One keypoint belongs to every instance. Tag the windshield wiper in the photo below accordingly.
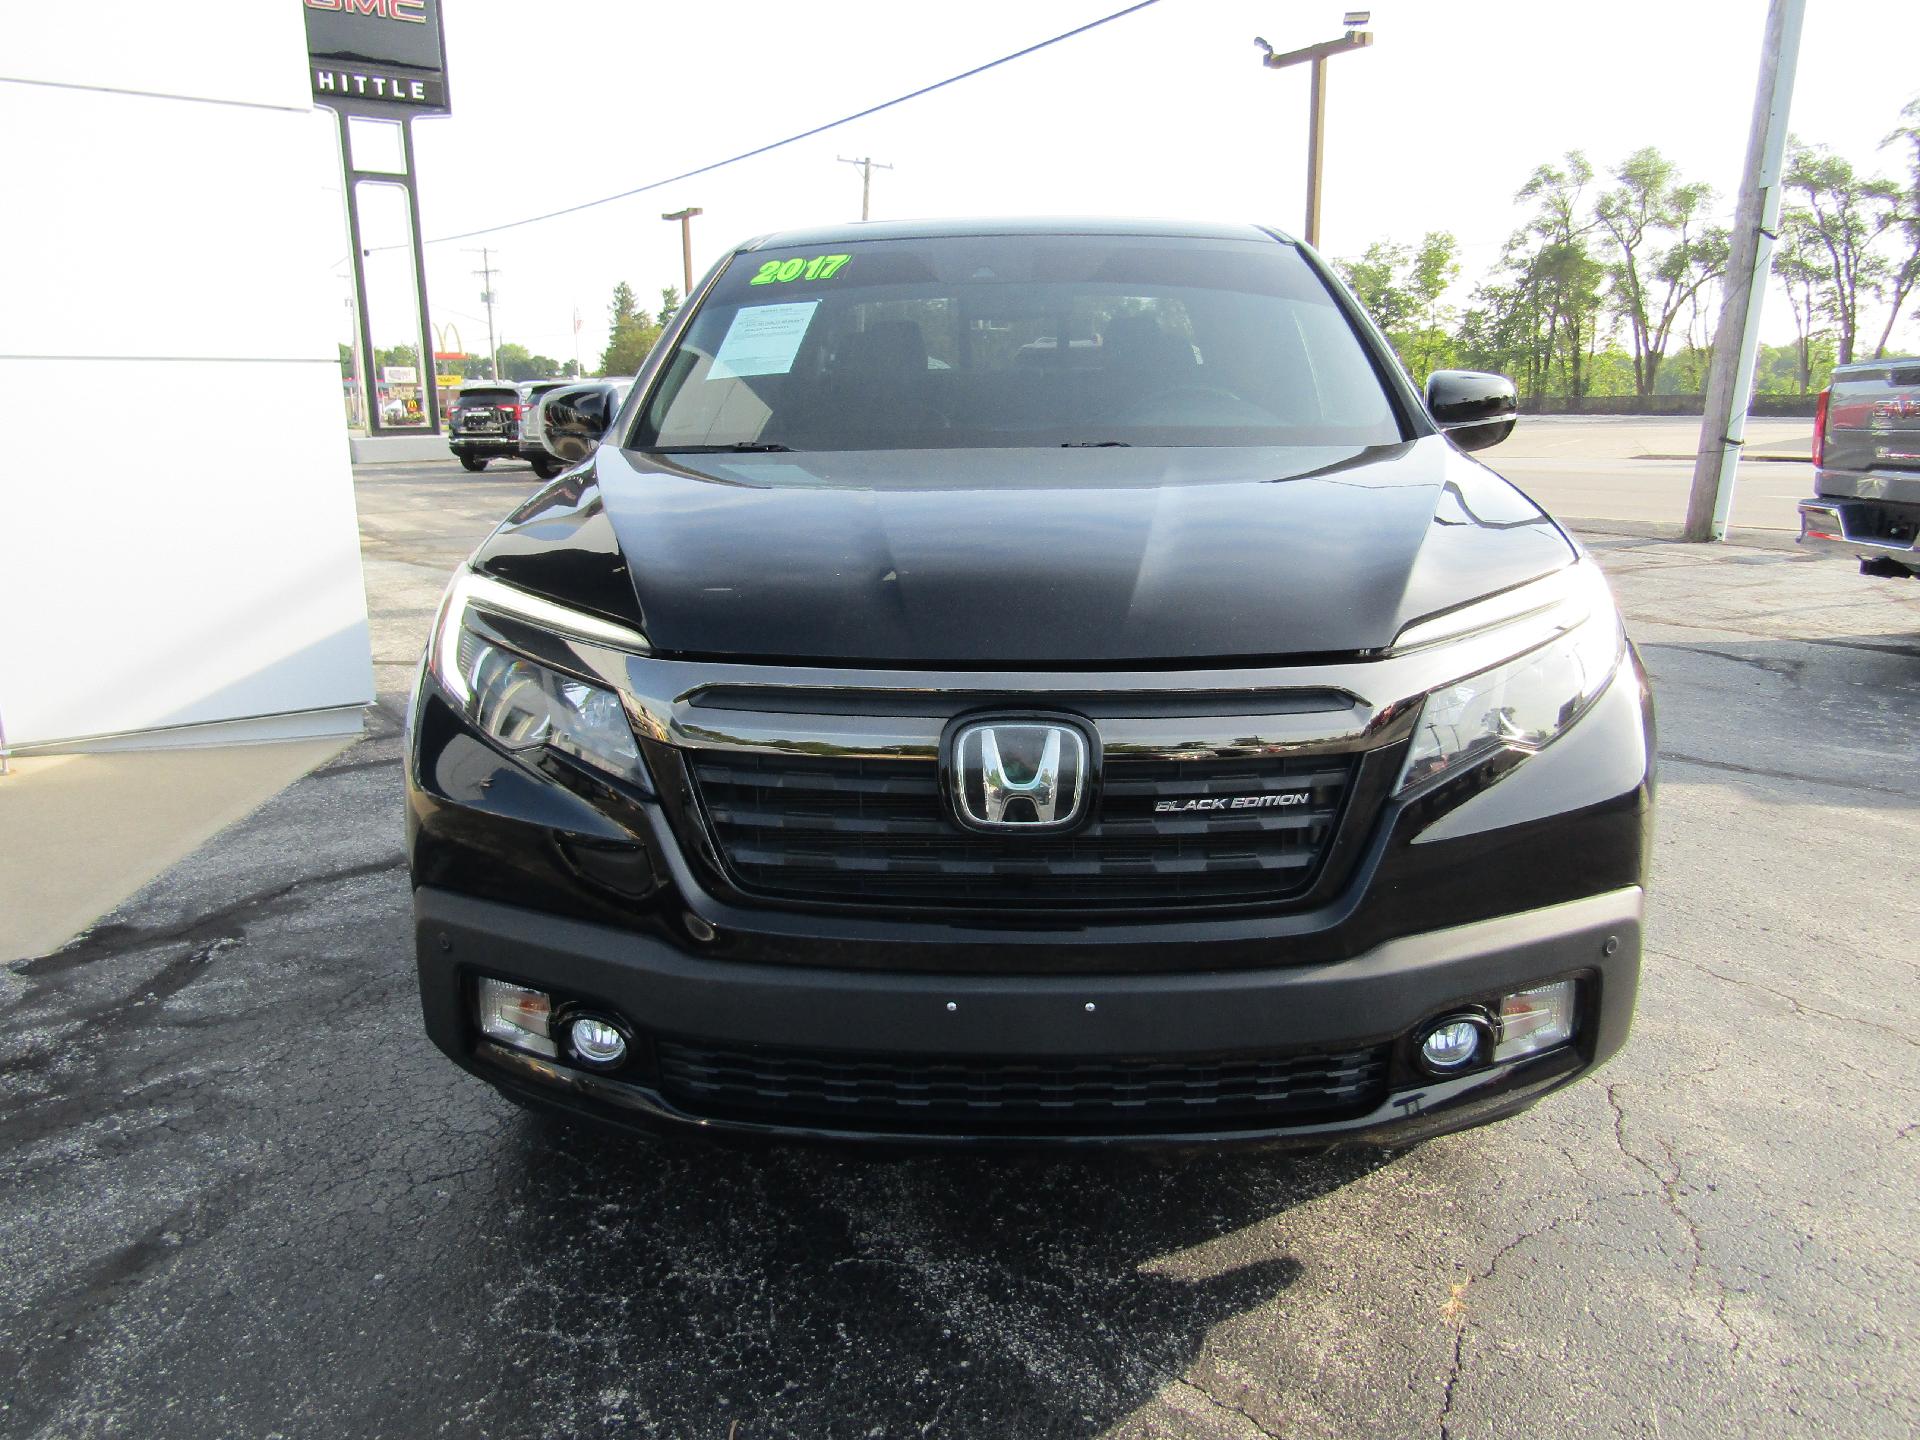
(738, 447)
(1095, 444)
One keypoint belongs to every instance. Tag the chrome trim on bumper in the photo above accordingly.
(1823, 526)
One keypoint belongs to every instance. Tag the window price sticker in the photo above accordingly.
(762, 340)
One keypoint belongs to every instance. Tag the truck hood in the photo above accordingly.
(1071, 558)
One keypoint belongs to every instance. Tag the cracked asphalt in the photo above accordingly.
(244, 1197)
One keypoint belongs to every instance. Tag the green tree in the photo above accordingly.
(1787, 370)
(1428, 345)
(669, 306)
(631, 332)
(1903, 275)
(1799, 262)
(1376, 281)
(1404, 289)
(346, 361)
(1846, 214)
(517, 363)
(1663, 255)
(1561, 277)
(1537, 315)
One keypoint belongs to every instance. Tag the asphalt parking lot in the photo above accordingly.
(246, 1197)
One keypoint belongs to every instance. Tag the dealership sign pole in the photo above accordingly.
(381, 62)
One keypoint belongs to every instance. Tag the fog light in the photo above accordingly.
(596, 1042)
(516, 1016)
(1454, 1043)
(1535, 1020)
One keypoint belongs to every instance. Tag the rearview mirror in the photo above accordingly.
(576, 418)
(1474, 409)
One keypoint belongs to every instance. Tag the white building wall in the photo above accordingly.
(178, 543)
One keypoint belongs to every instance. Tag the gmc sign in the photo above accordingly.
(414, 12)
(377, 56)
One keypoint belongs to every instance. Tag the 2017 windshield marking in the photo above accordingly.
(818, 267)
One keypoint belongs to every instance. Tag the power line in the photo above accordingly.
(804, 134)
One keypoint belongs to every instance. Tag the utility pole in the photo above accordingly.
(486, 272)
(867, 166)
(363, 383)
(685, 217)
(1736, 336)
(1354, 39)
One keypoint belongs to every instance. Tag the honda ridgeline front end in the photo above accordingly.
(1031, 683)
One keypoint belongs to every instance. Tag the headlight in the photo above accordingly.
(521, 703)
(1527, 702)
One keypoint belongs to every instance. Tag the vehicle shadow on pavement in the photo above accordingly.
(804, 1291)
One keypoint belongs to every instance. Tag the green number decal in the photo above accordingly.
(819, 267)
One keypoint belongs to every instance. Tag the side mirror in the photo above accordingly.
(576, 418)
(1473, 408)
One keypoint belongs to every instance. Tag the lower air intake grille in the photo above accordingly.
(858, 832)
(985, 1097)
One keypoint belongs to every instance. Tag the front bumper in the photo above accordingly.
(1497, 880)
(1373, 999)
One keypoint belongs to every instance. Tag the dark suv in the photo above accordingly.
(485, 424)
(1031, 682)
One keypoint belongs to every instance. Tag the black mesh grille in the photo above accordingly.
(959, 1096)
(877, 832)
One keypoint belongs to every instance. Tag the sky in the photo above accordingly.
(1165, 112)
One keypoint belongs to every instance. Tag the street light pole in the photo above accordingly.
(1317, 55)
(685, 217)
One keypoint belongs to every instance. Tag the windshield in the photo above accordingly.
(1018, 340)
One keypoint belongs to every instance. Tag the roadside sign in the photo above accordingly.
(374, 57)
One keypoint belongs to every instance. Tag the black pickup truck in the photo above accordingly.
(1030, 682)
(1866, 468)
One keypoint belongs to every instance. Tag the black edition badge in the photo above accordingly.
(1231, 802)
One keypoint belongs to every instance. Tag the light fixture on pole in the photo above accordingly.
(685, 217)
(1355, 39)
